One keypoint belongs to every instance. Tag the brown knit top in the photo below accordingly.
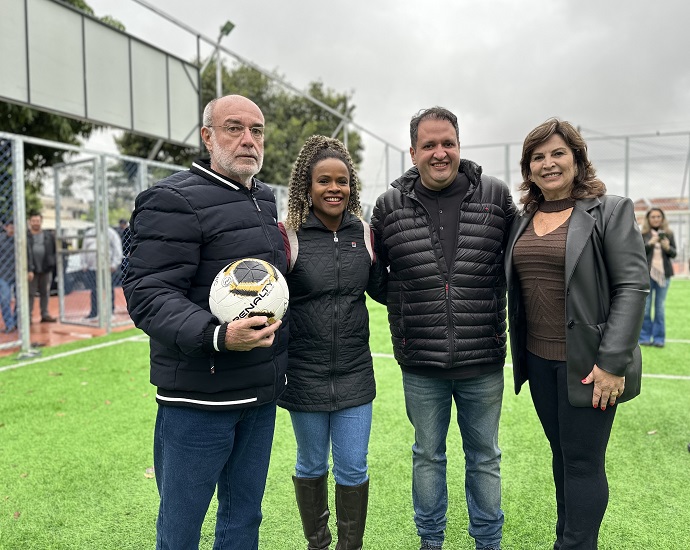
(540, 265)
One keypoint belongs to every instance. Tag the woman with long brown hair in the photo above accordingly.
(660, 247)
(577, 284)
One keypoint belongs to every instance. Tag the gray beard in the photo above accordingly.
(241, 172)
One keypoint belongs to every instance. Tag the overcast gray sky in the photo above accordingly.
(503, 66)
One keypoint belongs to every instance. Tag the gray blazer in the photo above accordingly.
(606, 281)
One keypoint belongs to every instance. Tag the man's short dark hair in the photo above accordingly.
(438, 113)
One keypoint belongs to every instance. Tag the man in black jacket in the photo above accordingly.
(217, 383)
(441, 230)
(42, 255)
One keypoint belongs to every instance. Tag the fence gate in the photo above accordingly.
(78, 211)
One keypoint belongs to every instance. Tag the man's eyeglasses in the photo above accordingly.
(236, 130)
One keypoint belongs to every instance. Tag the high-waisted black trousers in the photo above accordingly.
(578, 437)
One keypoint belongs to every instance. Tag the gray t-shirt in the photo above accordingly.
(39, 249)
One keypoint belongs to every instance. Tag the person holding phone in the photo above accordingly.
(660, 247)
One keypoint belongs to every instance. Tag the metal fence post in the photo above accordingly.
(58, 243)
(626, 169)
(103, 278)
(142, 176)
(109, 298)
(388, 179)
(507, 164)
(20, 249)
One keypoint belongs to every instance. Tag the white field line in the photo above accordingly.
(146, 339)
(510, 366)
(74, 352)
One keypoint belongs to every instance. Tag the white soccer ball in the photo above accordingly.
(249, 288)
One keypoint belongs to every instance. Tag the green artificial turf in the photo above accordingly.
(76, 455)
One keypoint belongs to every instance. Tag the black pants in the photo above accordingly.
(578, 438)
(41, 284)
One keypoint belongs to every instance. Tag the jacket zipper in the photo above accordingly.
(263, 226)
(258, 208)
(334, 325)
(449, 320)
(451, 340)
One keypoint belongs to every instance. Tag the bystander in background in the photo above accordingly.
(42, 260)
(90, 265)
(7, 279)
(660, 247)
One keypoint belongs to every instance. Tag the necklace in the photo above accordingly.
(556, 206)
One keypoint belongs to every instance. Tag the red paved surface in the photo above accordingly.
(76, 308)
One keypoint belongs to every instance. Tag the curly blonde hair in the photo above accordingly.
(315, 149)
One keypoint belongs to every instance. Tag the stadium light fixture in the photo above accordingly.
(225, 30)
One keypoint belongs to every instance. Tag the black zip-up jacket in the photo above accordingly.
(185, 229)
(50, 256)
(330, 366)
(606, 286)
(449, 324)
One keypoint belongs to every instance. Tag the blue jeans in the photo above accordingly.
(8, 315)
(655, 330)
(90, 282)
(196, 450)
(347, 431)
(478, 400)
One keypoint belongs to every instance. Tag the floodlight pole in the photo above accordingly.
(219, 79)
(224, 31)
(264, 72)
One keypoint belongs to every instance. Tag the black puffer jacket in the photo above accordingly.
(442, 320)
(184, 230)
(330, 366)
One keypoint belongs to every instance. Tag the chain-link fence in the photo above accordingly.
(87, 202)
(9, 333)
(93, 201)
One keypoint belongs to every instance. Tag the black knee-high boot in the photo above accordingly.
(312, 501)
(351, 511)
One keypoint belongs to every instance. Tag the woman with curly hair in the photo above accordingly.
(660, 246)
(577, 285)
(330, 372)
